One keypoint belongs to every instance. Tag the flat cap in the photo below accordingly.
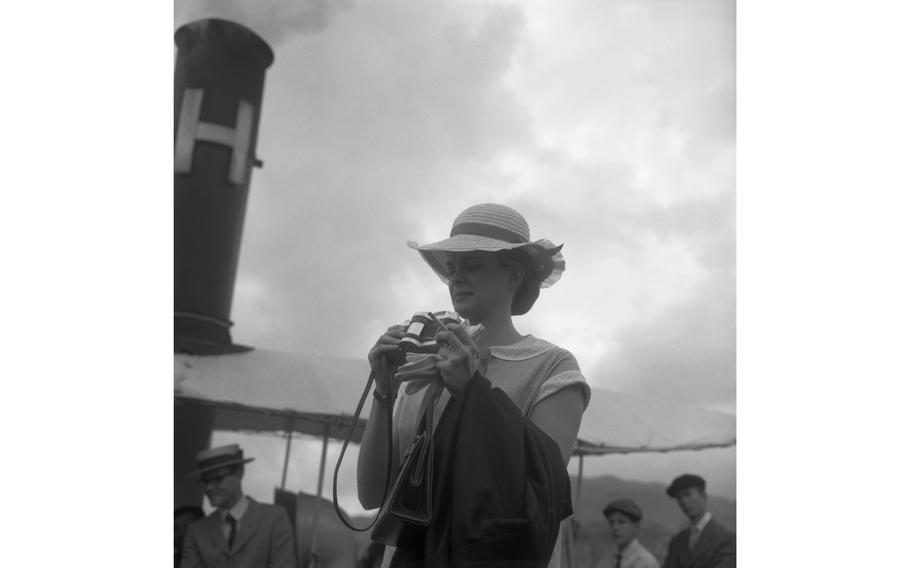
(685, 481)
(624, 506)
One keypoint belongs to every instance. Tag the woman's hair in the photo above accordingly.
(529, 288)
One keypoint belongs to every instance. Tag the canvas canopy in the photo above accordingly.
(274, 391)
(618, 423)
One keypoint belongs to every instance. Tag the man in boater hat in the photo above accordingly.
(705, 543)
(240, 533)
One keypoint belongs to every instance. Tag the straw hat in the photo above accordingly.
(216, 458)
(492, 227)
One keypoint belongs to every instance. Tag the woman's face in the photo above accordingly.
(479, 285)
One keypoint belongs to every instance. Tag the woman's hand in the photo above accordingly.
(386, 344)
(458, 357)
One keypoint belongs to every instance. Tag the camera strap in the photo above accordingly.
(384, 369)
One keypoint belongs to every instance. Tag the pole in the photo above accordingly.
(581, 466)
(287, 452)
(572, 536)
(315, 532)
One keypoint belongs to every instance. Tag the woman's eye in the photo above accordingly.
(450, 269)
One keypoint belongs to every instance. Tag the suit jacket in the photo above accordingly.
(715, 548)
(500, 487)
(264, 540)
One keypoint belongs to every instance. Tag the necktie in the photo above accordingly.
(694, 533)
(233, 532)
(618, 560)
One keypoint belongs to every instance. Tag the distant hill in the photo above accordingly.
(662, 517)
(596, 492)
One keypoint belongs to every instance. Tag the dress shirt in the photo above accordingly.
(696, 529)
(237, 511)
(634, 555)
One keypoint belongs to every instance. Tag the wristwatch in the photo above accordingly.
(382, 397)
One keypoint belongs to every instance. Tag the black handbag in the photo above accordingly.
(407, 506)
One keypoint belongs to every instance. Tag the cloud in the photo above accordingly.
(687, 352)
(276, 21)
(384, 128)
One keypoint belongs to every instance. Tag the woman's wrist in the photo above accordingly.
(382, 397)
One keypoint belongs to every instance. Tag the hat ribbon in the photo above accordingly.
(216, 461)
(489, 231)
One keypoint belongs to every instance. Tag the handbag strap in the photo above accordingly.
(425, 462)
(384, 369)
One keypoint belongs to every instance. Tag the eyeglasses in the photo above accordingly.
(215, 480)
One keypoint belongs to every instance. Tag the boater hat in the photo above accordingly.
(216, 458)
(492, 227)
(685, 481)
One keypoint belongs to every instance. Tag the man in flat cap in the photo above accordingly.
(705, 543)
(240, 533)
(624, 518)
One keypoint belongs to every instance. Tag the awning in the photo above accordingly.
(274, 391)
(619, 423)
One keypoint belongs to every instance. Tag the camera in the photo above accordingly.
(420, 335)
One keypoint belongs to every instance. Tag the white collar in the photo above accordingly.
(630, 548)
(237, 511)
(705, 519)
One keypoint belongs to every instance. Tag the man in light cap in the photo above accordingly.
(624, 517)
(240, 533)
(705, 543)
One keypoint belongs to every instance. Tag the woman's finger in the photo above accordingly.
(386, 344)
(461, 332)
(388, 340)
(455, 372)
(448, 339)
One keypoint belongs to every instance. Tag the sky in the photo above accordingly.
(609, 124)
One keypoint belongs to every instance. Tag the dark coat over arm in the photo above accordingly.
(500, 487)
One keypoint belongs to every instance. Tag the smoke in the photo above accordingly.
(276, 21)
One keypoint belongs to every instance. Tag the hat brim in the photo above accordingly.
(674, 490)
(435, 254)
(610, 510)
(232, 463)
(467, 242)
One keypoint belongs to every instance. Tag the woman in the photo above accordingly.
(493, 272)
